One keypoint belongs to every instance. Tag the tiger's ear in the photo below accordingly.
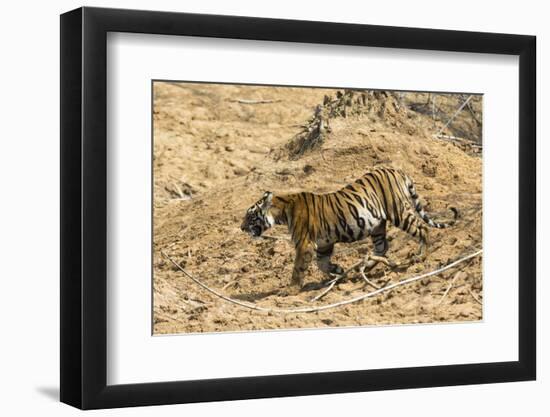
(267, 198)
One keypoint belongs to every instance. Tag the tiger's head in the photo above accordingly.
(258, 218)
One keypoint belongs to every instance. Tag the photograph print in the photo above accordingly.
(278, 208)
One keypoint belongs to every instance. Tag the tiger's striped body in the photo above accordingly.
(357, 211)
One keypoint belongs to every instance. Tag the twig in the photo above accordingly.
(229, 284)
(325, 307)
(447, 290)
(244, 101)
(335, 281)
(368, 281)
(450, 137)
(179, 192)
(361, 264)
(458, 139)
(268, 237)
(474, 296)
(332, 283)
(454, 115)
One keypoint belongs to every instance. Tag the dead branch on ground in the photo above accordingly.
(325, 307)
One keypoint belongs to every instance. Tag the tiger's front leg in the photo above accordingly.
(304, 256)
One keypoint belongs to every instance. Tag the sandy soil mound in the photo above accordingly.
(215, 154)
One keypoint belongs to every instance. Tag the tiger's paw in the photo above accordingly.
(416, 259)
(290, 291)
(336, 270)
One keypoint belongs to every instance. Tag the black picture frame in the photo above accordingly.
(84, 207)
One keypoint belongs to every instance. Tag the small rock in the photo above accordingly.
(240, 171)
(477, 286)
(284, 171)
(223, 270)
(308, 169)
(229, 148)
(279, 246)
(258, 149)
(429, 169)
(462, 291)
(460, 275)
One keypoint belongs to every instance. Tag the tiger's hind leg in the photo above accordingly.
(324, 254)
(381, 246)
(415, 227)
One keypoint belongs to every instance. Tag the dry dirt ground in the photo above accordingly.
(215, 156)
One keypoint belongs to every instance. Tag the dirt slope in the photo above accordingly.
(214, 157)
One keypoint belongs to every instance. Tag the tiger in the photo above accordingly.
(316, 222)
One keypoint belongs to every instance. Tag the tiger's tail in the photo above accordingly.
(420, 210)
